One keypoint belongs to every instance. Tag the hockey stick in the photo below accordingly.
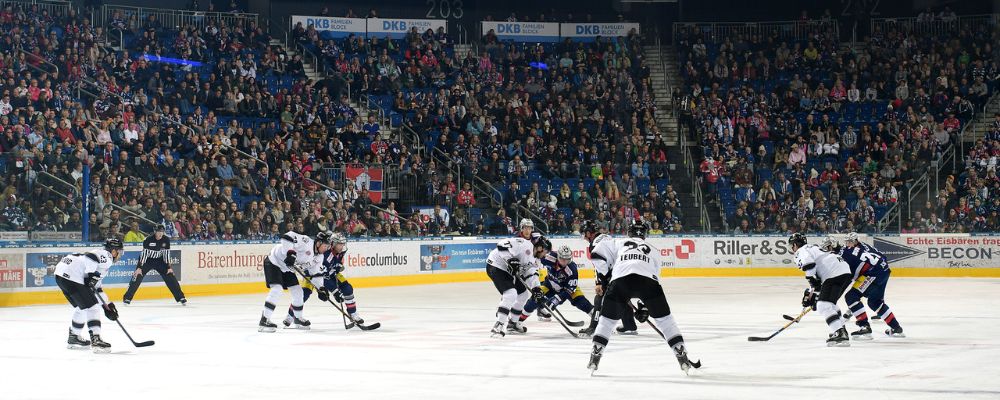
(558, 317)
(695, 364)
(576, 324)
(792, 321)
(334, 304)
(651, 324)
(134, 343)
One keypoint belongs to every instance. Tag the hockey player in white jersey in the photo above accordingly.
(828, 276)
(300, 253)
(513, 268)
(629, 268)
(592, 234)
(79, 276)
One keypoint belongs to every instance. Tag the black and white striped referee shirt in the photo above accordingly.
(153, 249)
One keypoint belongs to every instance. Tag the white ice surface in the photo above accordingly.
(434, 344)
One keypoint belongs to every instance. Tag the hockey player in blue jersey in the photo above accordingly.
(560, 284)
(336, 284)
(871, 272)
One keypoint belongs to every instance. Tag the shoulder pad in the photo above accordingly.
(601, 237)
(288, 238)
(93, 257)
(98, 257)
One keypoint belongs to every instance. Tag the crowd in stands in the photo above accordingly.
(804, 134)
(216, 133)
(226, 145)
(231, 142)
(565, 131)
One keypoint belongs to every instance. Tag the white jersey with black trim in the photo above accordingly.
(521, 249)
(306, 257)
(634, 257)
(603, 252)
(76, 266)
(819, 264)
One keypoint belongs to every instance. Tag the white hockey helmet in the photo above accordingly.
(526, 223)
(852, 238)
(829, 244)
(564, 253)
(339, 238)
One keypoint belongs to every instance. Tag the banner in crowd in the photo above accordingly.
(11, 270)
(14, 236)
(523, 31)
(367, 178)
(57, 236)
(590, 31)
(41, 268)
(332, 27)
(398, 28)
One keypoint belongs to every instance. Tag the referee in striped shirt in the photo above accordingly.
(155, 250)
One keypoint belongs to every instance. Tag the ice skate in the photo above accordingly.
(291, 322)
(76, 342)
(682, 358)
(865, 333)
(516, 327)
(595, 358)
(497, 331)
(898, 333)
(266, 326)
(622, 331)
(839, 338)
(98, 345)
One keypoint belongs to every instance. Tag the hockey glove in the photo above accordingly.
(809, 299)
(555, 301)
(536, 294)
(92, 278)
(514, 265)
(641, 313)
(111, 312)
(336, 269)
(290, 258)
(323, 294)
(337, 296)
(815, 283)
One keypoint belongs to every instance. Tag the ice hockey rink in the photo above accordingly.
(435, 344)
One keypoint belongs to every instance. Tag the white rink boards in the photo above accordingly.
(434, 344)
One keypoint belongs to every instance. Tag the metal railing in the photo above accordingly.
(369, 102)
(936, 26)
(412, 140)
(172, 18)
(494, 201)
(28, 56)
(461, 34)
(703, 217)
(786, 30)
(54, 7)
(663, 68)
(923, 183)
(892, 214)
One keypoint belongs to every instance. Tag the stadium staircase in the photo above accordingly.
(664, 77)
